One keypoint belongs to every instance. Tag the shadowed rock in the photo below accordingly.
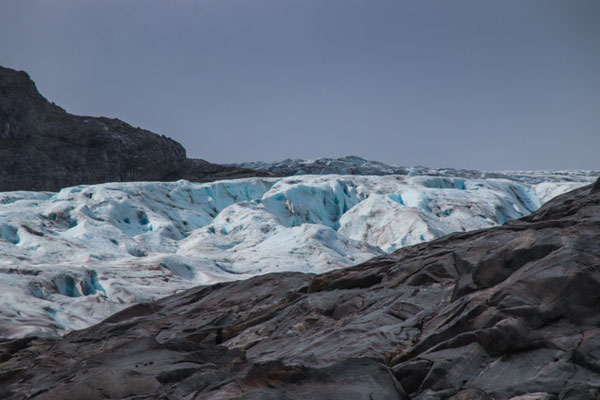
(505, 313)
(42, 147)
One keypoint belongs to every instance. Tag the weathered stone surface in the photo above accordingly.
(42, 147)
(524, 326)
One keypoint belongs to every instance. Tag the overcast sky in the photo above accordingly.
(506, 84)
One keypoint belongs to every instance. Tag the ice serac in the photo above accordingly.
(72, 258)
(42, 147)
(509, 312)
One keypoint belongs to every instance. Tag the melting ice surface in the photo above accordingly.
(70, 259)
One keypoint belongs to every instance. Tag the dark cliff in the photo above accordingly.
(42, 147)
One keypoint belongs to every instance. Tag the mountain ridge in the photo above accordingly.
(43, 147)
(355, 165)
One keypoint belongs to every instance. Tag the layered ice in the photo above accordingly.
(70, 259)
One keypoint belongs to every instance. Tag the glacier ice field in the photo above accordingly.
(72, 258)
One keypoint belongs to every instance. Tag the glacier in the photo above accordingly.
(72, 258)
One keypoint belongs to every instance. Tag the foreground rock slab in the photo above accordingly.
(511, 312)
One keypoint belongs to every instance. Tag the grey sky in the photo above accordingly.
(506, 84)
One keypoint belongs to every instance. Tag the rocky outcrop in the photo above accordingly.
(508, 312)
(42, 147)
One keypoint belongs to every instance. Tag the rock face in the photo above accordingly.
(42, 147)
(506, 312)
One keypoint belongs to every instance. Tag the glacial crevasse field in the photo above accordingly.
(71, 259)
